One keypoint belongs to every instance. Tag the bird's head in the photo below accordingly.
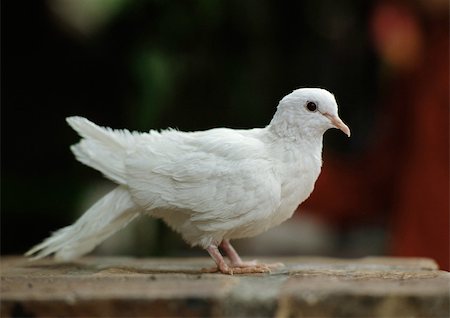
(307, 112)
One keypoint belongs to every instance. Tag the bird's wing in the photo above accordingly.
(221, 177)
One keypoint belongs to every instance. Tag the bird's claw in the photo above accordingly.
(254, 263)
(245, 264)
(258, 268)
(243, 268)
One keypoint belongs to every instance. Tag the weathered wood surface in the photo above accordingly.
(305, 287)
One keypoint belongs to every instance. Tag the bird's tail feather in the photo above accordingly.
(102, 148)
(111, 213)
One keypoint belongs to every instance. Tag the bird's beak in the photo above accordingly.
(338, 123)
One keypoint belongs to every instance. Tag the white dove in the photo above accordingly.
(210, 186)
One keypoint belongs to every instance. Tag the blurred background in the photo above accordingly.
(200, 64)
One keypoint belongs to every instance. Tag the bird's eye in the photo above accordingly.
(311, 106)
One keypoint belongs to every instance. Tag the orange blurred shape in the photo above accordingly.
(397, 35)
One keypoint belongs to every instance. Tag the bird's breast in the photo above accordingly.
(297, 179)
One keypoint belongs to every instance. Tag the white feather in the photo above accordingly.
(111, 213)
(103, 149)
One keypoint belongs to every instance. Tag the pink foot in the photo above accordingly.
(247, 269)
(237, 262)
(237, 266)
(242, 263)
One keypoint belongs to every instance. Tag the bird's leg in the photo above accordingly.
(222, 266)
(234, 257)
(245, 267)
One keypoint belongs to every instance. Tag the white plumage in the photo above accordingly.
(209, 186)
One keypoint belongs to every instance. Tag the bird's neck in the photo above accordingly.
(296, 148)
(290, 129)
